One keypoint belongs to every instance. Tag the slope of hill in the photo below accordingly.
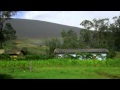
(39, 29)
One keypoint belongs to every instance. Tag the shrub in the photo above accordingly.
(36, 57)
(111, 54)
(4, 57)
(24, 50)
(68, 56)
(5, 76)
(84, 55)
(88, 56)
(20, 58)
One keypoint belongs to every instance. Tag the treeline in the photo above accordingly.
(103, 35)
(95, 34)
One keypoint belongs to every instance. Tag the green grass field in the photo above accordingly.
(60, 69)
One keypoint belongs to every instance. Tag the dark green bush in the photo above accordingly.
(21, 58)
(25, 50)
(4, 57)
(111, 54)
(88, 56)
(69, 56)
(84, 55)
(36, 57)
(5, 76)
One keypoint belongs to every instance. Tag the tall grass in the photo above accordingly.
(24, 65)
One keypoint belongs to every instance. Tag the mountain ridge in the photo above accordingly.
(26, 28)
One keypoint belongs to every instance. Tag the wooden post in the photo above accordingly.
(31, 65)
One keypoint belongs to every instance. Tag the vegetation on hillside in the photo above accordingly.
(105, 35)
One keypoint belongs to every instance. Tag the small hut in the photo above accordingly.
(2, 51)
(14, 53)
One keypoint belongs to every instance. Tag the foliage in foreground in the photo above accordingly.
(24, 65)
(63, 73)
(60, 69)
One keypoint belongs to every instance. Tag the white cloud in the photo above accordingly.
(71, 18)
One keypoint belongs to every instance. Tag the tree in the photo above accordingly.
(5, 15)
(86, 35)
(116, 32)
(52, 44)
(103, 25)
(95, 24)
(87, 24)
(64, 38)
(72, 39)
(105, 34)
(100, 37)
(69, 39)
(9, 32)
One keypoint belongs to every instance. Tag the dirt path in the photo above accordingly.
(108, 75)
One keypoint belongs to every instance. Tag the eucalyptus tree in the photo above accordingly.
(116, 32)
(85, 35)
(103, 25)
(70, 39)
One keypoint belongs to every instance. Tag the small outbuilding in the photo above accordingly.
(14, 53)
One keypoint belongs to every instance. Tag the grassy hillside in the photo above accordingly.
(38, 29)
(32, 45)
(33, 33)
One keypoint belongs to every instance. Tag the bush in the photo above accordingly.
(36, 57)
(111, 54)
(24, 50)
(84, 55)
(20, 58)
(5, 76)
(68, 56)
(88, 56)
(4, 57)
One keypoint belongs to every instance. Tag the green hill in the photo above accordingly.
(33, 33)
(39, 29)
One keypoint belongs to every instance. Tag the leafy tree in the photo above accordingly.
(87, 24)
(9, 32)
(86, 35)
(5, 15)
(100, 37)
(116, 32)
(70, 39)
(52, 44)
(65, 39)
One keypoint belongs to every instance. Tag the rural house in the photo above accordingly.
(14, 53)
(99, 54)
(2, 51)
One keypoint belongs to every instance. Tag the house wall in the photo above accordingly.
(102, 56)
(20, 55)
(2, 51)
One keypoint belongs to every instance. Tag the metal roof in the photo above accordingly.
(80, 50)
(12, 52)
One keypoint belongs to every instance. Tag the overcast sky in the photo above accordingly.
(71, 18)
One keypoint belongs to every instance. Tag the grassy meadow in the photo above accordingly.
(60, 69)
